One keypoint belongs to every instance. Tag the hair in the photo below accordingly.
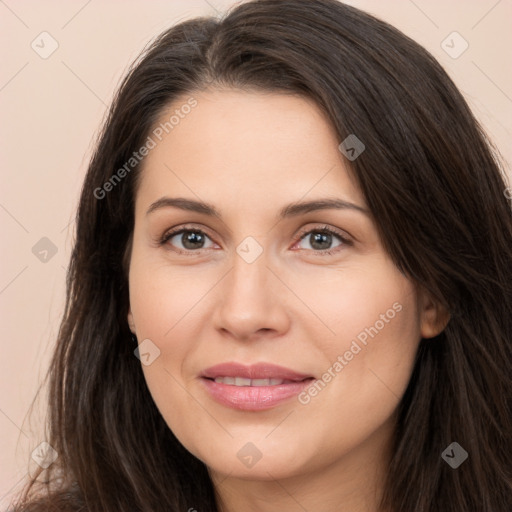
(436, 189)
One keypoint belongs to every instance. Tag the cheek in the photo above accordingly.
(164, 299)
(166, 304)
(167, 310)
(370, 357)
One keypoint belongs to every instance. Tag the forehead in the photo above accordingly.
(246, 147)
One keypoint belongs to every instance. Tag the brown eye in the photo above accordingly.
(191, 240)
(321, 240)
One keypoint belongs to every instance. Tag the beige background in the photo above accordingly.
(50, 109)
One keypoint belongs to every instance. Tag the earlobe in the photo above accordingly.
(434, 317)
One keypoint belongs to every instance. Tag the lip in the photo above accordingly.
(253, 398)
(253, 371)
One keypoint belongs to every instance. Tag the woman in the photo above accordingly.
(339, 337)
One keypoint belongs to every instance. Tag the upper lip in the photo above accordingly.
(253, 371)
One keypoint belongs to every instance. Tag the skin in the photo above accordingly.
(250, 154)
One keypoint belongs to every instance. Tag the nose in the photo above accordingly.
(252, 301)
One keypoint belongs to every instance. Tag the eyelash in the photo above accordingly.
(324, 230)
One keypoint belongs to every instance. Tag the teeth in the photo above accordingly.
(262, 382)
(242, 381)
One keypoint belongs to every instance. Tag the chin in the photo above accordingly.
(253, 463)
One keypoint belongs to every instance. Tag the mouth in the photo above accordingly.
(242, 381)
(253, 388)
(244, 375)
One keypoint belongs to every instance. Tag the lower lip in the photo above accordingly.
(253, 398)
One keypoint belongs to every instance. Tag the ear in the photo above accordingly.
(433, 316)
(131, 323)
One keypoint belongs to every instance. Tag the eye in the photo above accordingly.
(321, 239)
(191, 240)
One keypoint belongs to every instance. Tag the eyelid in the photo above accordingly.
(344, 236)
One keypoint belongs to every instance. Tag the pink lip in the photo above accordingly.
(254, 371)
(253, 398)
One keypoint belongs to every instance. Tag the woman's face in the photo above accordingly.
(264, 284)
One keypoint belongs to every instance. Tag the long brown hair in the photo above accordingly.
(435, 188)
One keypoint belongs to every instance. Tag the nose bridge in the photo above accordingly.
(250, 274)
(248, 294)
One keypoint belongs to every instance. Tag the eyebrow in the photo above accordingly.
(291, 210)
